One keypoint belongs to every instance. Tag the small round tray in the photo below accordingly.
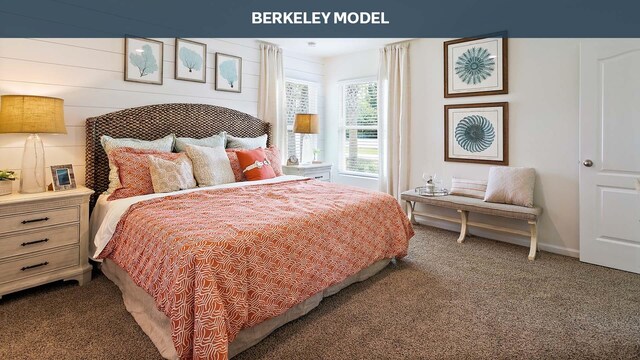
(422, 191)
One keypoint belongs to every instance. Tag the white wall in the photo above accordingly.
(346, 67)
(88, 75)
(543, 129)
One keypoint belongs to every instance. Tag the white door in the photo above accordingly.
(610, 153)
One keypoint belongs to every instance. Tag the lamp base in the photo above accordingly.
(306, 151)
(32, 176)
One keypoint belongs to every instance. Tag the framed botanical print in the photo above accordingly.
(476, 66)
(228, 73)
(63, 177)
(191, 61)
(143, 60)
(477, 133)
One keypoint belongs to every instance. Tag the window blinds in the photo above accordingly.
(360, 128)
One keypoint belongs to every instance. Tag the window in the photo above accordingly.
(359, 125)
(301, 98)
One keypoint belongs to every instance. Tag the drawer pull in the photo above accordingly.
(318, 177)
(34, 266)
(34, 220)
(34, 242)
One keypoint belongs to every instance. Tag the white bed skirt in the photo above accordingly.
(158, 327)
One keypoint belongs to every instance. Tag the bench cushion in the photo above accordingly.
(475, 205)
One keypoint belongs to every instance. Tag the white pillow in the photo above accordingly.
(212, 141)
(511, 185)
(470, 188)
(171, 175)
(246, 143)
(211, 166)
(109, 144)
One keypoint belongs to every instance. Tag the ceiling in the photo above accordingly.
(331, 47)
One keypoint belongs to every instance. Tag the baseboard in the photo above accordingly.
(493, 235)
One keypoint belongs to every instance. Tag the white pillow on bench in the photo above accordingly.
(511, 185)
(470, 188)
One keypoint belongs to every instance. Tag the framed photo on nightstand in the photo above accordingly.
(63, 177)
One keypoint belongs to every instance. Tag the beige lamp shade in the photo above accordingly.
(306, 124)
(32, 114)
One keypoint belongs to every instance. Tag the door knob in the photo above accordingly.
(587, 163)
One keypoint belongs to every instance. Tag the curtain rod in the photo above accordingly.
(399, 42)
(266, 42)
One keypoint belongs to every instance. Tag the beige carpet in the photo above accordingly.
(478, 300)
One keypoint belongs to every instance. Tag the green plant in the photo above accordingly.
(7, 175)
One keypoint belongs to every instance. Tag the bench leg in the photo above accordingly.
(412, 207)
(463, 225)
(533, 225)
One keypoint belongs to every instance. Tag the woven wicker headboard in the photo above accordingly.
(156, 121)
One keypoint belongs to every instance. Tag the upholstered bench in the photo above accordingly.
(464, 205)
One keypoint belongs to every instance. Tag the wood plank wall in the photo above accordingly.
(88, 75)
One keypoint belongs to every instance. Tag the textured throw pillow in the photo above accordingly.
(511, 185)
(246, 143)
(212, 141)
(272, 154)
(133, 169)
(232, 154)
(171, 175)
(471, 188)
(109, 144)
(255, 165)
(210, 165)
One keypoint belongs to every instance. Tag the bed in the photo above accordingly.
(209, 272)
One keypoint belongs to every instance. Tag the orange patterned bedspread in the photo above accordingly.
(218, 261)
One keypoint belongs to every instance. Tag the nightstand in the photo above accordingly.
(320, 171)
(44, 237)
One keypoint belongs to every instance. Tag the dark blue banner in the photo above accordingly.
(326, 18)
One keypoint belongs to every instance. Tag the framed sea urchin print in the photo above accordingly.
(476, 66)
(477, 133)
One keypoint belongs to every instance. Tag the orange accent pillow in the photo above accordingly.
(262, 171)
(133, 169)
(272, 154)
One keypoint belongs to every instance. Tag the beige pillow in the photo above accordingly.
(211, 166)
(171, 175)
(109, 144)
(470, 188)
(511, 185)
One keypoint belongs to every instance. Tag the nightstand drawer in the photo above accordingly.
(34, 265)
(38, 219)
(30, 241)
(320, 172)
(322, 176)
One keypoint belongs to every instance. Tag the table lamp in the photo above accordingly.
(305, 124)
(32, 115)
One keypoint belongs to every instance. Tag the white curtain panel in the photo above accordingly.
(271, 95)
(394, 104)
